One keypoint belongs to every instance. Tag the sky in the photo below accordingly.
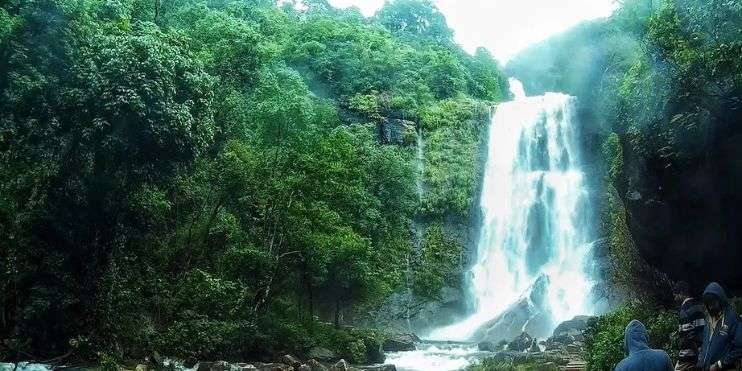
(505, 26)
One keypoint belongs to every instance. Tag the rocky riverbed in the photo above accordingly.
(402, 352)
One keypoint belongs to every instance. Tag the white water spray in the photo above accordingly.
(536, 214)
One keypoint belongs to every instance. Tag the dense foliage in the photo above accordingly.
(604, 337)
(211, 177)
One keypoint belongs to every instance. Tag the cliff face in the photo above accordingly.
(445, 231)
(685, 217)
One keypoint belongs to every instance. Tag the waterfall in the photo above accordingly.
(417, 227)
(537, 228)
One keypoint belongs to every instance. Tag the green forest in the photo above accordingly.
(240, 179)
(206, 178)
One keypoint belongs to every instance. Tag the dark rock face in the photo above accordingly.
(526, 315)
(425, 313)
(397, 131)
(401, 343)
(685, 217)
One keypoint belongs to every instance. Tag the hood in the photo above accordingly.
(716, 290)
(635, 337)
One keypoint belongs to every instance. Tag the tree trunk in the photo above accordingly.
(311, 301)
(158, 5)
(337, 313)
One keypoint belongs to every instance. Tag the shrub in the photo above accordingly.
(604, 336)
(490, 364)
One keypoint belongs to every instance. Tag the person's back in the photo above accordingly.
(690, 333)
(640, 356)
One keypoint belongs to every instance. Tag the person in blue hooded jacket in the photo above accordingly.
(640, 357)
(722, 336)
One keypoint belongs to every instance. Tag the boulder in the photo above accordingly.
(375, 353)
(401, 343)
(530, 314)
(341, 365)
(522, 343)
(534, 347)
(486, 346)
(314, 365)
(141, 367)
(575, 326)
(322, 354)
(303, 368)
(291, 361)
(190, 362)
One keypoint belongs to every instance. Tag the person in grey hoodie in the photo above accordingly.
(640, 357)
(722, 336)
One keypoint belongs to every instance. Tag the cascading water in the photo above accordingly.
(537, 227)
(534, 246)
(417, 228)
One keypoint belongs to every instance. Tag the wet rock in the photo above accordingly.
(141, 367)
(190, 362)
(291, 361)
(322, 354)
(245, 367)
(304, 368)
(379, 368)
(530, 314)
(400, 343)
(375, 352)
(574, 327)
(486, 346)
(445, 309)
(534, 347)
(314, 365)
(273, 367)
(521, 343)
(341, 365)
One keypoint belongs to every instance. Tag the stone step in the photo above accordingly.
(574, 366)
